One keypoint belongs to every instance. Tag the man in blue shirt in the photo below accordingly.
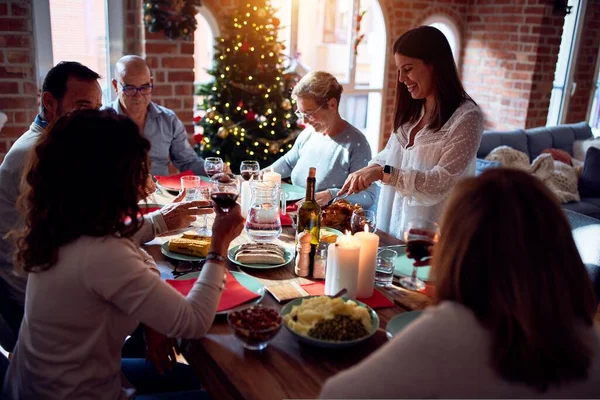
(133, 84)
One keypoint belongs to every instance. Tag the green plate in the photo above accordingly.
(247, 281)
(404, 265)
(293, 192)
(329, 344)
(164, 248)
(287, 255)
(400, 322)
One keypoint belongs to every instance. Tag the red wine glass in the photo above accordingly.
(250, 169)
(224, 190)
(420, 236)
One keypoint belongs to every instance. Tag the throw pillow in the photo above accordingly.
(559, 155)
(580, 147)
(481, 165)
(589, 182)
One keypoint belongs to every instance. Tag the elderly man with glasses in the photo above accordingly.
(133, 84)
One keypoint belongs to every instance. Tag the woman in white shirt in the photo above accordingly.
(513, 313)
(89, 283)
(437, 130)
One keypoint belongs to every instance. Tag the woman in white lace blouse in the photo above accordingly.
(437, 130)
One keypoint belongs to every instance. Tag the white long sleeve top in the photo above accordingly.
(445, 354)
(427, 170)
(78, 313)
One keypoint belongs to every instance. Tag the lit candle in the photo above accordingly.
(369, 242)
(271, 176)
(330, 271)
(246, 198)
(346, 258)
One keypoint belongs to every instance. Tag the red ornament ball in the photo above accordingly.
(251, 116)
(198, 137)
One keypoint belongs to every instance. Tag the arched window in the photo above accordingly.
(450, 30)
(204, 35)
(330, 45)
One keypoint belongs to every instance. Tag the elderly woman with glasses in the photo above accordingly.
(328, 143)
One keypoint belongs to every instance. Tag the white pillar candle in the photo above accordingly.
(330, 271)
(369, 242)
(271, 176)
(346, 259)
(245, 198)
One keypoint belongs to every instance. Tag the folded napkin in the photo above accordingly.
(286, 220)
(377, 300)
(233, 295)
(173, 182)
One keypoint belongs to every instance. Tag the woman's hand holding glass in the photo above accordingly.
(420, 237)
(362, 179)
(227, 226)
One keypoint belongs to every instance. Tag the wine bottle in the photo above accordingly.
(309, 217)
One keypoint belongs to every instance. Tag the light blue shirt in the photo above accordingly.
(334, 157)
(169, 141)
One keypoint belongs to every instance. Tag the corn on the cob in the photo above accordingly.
(190, 247)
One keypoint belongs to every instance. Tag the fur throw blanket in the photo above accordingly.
(559, 177)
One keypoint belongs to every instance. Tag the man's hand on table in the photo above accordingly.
(160, 350)
(180, 215)
(227, 226)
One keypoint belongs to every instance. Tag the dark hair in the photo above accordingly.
(431, 46)
(506, 251)
(55, 81)
(85, 177)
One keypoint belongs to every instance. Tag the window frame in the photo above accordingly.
(115, 22)
(441, 18)
(213, 25)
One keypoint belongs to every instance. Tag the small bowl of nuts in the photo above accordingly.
(255, 326)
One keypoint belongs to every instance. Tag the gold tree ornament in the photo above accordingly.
(223, 132)
(286, 104)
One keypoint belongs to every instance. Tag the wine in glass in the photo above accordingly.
(213, 165)
(224, 190)
(420, 236)
(361, 218)
(249, 169)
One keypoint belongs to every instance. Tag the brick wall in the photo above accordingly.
(508, 50)
(586, 64)
(18, 88)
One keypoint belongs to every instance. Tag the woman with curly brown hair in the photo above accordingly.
(514, 306)
(89, 284)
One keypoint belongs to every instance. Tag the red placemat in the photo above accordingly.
(233, 295)
(378, 300)
(286, 220)
(173, 182)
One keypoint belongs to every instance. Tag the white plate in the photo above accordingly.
(399, 322)
(287, 255)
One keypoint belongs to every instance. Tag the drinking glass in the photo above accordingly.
(384, 268)
(249, 169)
(190, 184)
(203, 229)
(213, 165)
(420, 235)
(360, 218)
(224, 190)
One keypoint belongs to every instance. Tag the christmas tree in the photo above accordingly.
(247, 112)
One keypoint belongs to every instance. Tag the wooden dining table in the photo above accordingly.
(286, 369)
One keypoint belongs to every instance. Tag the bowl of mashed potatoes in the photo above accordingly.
(331, 323)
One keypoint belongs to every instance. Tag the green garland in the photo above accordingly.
(177, 18)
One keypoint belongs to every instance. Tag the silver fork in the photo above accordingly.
(336, 198)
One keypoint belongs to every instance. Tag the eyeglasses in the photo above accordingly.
(305, 116)
(132, 90)
(187, 266)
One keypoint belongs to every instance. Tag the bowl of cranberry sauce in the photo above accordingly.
(255, 326)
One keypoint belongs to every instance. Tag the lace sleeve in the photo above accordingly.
(430, 187)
